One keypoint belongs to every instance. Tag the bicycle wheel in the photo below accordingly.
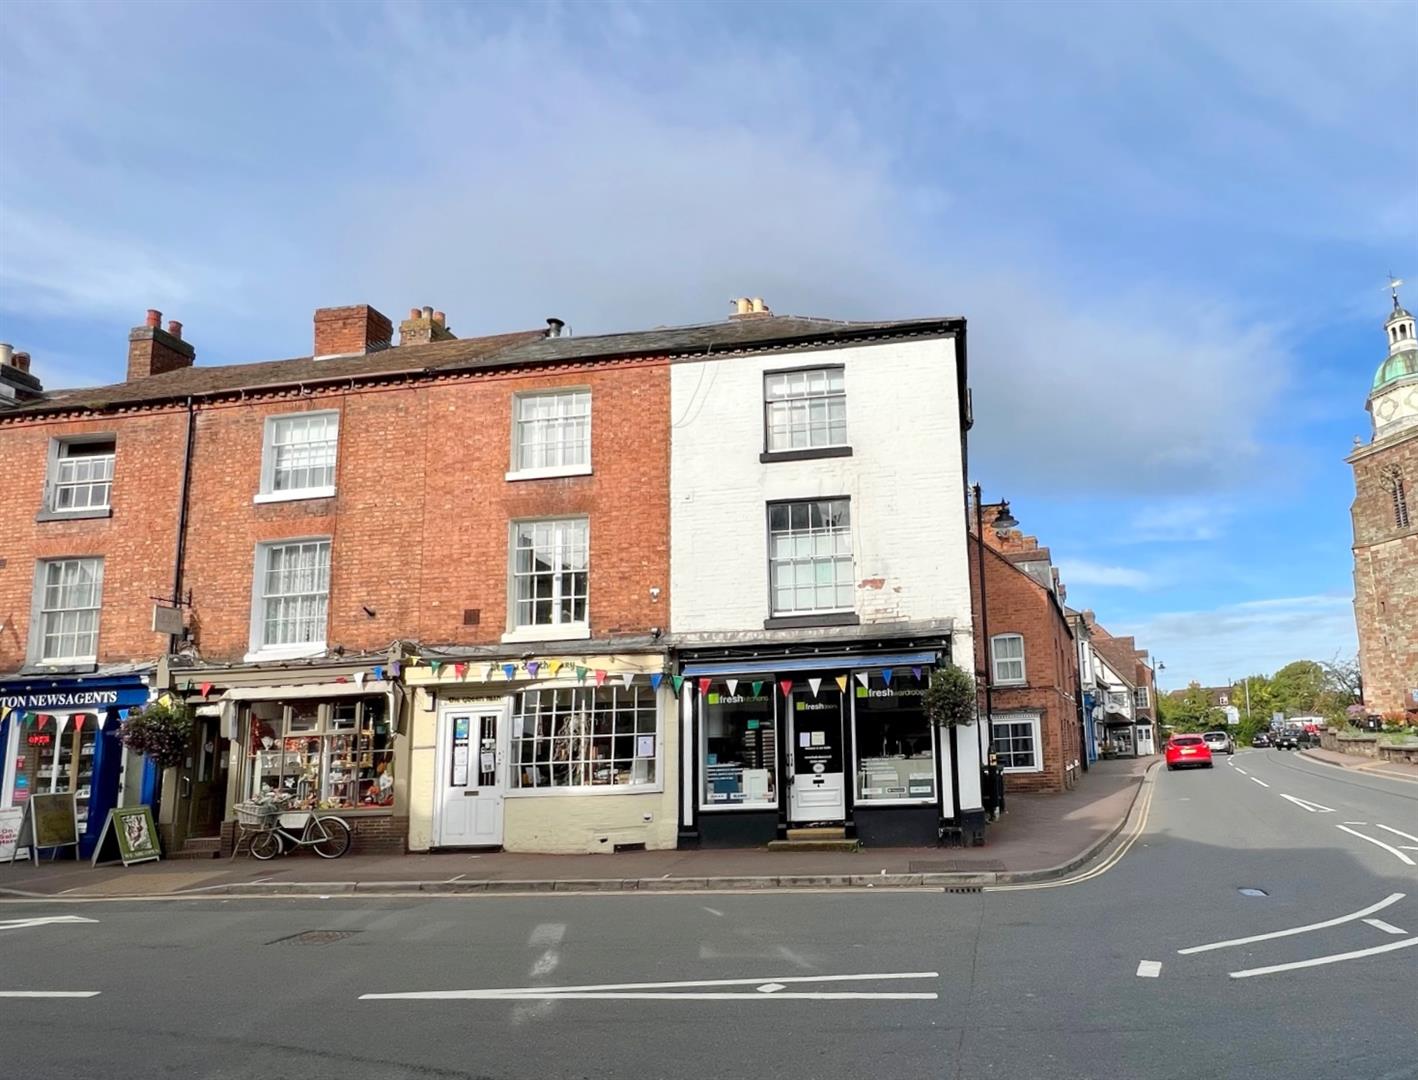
(335, 840)
(266, 844)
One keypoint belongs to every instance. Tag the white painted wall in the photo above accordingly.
(904, 479)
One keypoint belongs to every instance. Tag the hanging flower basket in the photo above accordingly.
(950, 697)
(158, 731)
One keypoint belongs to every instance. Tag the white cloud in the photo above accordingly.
(1178, 520)
(1082, 572)
(1215, 646)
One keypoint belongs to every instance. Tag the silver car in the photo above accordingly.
(1219, 742)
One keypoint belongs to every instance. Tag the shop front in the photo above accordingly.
(325, 738)
(61, 735)
(804, 741)
(559, 755)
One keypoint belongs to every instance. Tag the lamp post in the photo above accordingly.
(1004, 521)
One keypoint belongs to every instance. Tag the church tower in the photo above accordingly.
(1385, 517)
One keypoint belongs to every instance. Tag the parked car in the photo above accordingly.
(1187, 751)
(1287, 740)
(1219, 742)
(1261, 740)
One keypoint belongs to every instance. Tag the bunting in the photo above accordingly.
(41, 719)
(395, 668)
(704, 684)
(842, 683)
(123, 714)
(862, 677)
(628, 678)
(434, 665)
(359, 679)
(553, 666)
(813, 685)
(488, 669)
(757, 687)
(206, 688)
(532, 668)
(676, 681)
(413, 661)
(79, 721)
(656, 678)
(509, 670)
(917, 673)
(886, 675)
(378, 672)
(786, 685)
(459, 670)
(581, 673)
(733, 685)
(600, 677)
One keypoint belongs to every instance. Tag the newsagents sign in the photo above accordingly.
(39, 698)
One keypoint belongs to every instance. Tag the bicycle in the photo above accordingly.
(269, 824)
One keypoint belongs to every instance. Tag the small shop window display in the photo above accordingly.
(322, 755)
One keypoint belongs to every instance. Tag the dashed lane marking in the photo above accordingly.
(769, 989)
(1257, 780)
(1387, 928)
(49, 993)
(1240, 770)
(1149, 969)
(1363, 913)
(1378, 843)
(25, 924)
(1397, 832)
(1321, 961)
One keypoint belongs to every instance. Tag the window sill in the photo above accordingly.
(290, 652)
(1006, 684)
(294, 496)
(1011, 770)
(562, 632)
(805, 455)
(79, 666)
(74, 515)
(597, 790)
(826, 618)
(548, 474)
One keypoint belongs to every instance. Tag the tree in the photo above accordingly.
(1342, 688)
(1192, 711)
(1299, 688)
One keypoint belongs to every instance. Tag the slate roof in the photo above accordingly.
(526, 348)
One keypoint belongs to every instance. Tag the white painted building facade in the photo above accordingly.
(818, 572)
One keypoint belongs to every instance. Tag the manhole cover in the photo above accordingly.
(1253, 892)
(314, 937)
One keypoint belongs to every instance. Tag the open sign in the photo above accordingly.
(40, 739)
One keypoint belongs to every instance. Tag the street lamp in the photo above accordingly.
(1004, 521)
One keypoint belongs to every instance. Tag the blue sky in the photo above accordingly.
(1168, 224)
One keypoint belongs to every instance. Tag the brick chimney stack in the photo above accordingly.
(153, 350)
(422, 327)
(351, 331)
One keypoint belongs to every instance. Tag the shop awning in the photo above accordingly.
(308, 690)
(820, 662)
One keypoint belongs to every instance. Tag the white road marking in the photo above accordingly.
(49, 993)
(1320, 961)
(547, 933)
(1396, 832)
(1378, 843)
(1241, 770)
(25, 924)
(1149, 969)
(1356, 823)
(771, 988)
(1255, 780)
(1305, 804)
(1392, 898)
(646, 991)
(1387, 928)
(715, 912)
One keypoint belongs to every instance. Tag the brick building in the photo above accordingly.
(1033, 660)
(1385, 519)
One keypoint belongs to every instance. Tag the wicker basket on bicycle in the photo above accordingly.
(258, 815)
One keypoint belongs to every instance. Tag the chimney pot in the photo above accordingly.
(174, 328)
(7, 352)
(759, 305)
(428, 313)
(440, 318)
(554, 326)
(153, 351)
(414, 313)
(154, 318)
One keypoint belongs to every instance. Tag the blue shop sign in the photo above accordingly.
(36, 695)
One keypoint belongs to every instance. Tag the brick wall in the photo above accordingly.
(1020, 605)
(1386, 576)
(369, 835)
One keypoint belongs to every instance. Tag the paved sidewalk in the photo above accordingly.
(1394, 769)
(1041, 836)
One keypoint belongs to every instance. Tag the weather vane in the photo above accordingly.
(1393, 284)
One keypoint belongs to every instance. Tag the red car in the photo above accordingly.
(1187, 751)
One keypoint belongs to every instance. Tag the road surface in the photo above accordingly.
(1263, 923)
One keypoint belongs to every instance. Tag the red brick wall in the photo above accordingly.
(1019, 605)
(419, 522)
(358, 328)
(137, 542)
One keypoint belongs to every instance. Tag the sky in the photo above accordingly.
(1170, 227)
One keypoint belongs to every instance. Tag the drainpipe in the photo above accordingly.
(181, 549)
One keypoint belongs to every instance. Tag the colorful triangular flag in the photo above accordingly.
(510, 670)
(435, 665)
(886, 675)
(532, 668)
(378, 672)
(786, 685)
(733, 685)
(656, 678)
(627, 678)
(581, 673)
(600, 677)
(41, 720)
(757, 687)
(704, 683)
(842, 683)
(813, 685)
(460, 670)
(359, 678)
(395, 668)
(206, 688)
(917, 673)
(79, 722)
(676, 681)
(863, 677)
(553, 666)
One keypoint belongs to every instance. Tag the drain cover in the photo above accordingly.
(314, 937)
(1253, 892)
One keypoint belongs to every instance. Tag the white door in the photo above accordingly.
(1144, 740)
(817, 777)
(471, 785)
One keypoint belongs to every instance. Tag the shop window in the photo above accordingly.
(80, 476)
(292, 583)
(1008, 651)
(551, 434)
(740, 747)
(580, 737)
(1017, 744)
(894, 742)
(298, 458)
(57, 758)
(69, 594)
(810, 556)
(550, 573)
(325, 755)
(804, 410)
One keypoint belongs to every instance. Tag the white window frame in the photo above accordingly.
(996, 660)
(513, 741)
(261, 563)
(57, 457)
(575, 397)
(268, 492)
(812, 559)
(1032, 719)
(557, 630)
(40, 613)
(932, 729)
(701, 715)
(1140, 697)
(796, 405)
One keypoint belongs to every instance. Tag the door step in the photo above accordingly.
(817, 838)
(818, 832)
(206, 847)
